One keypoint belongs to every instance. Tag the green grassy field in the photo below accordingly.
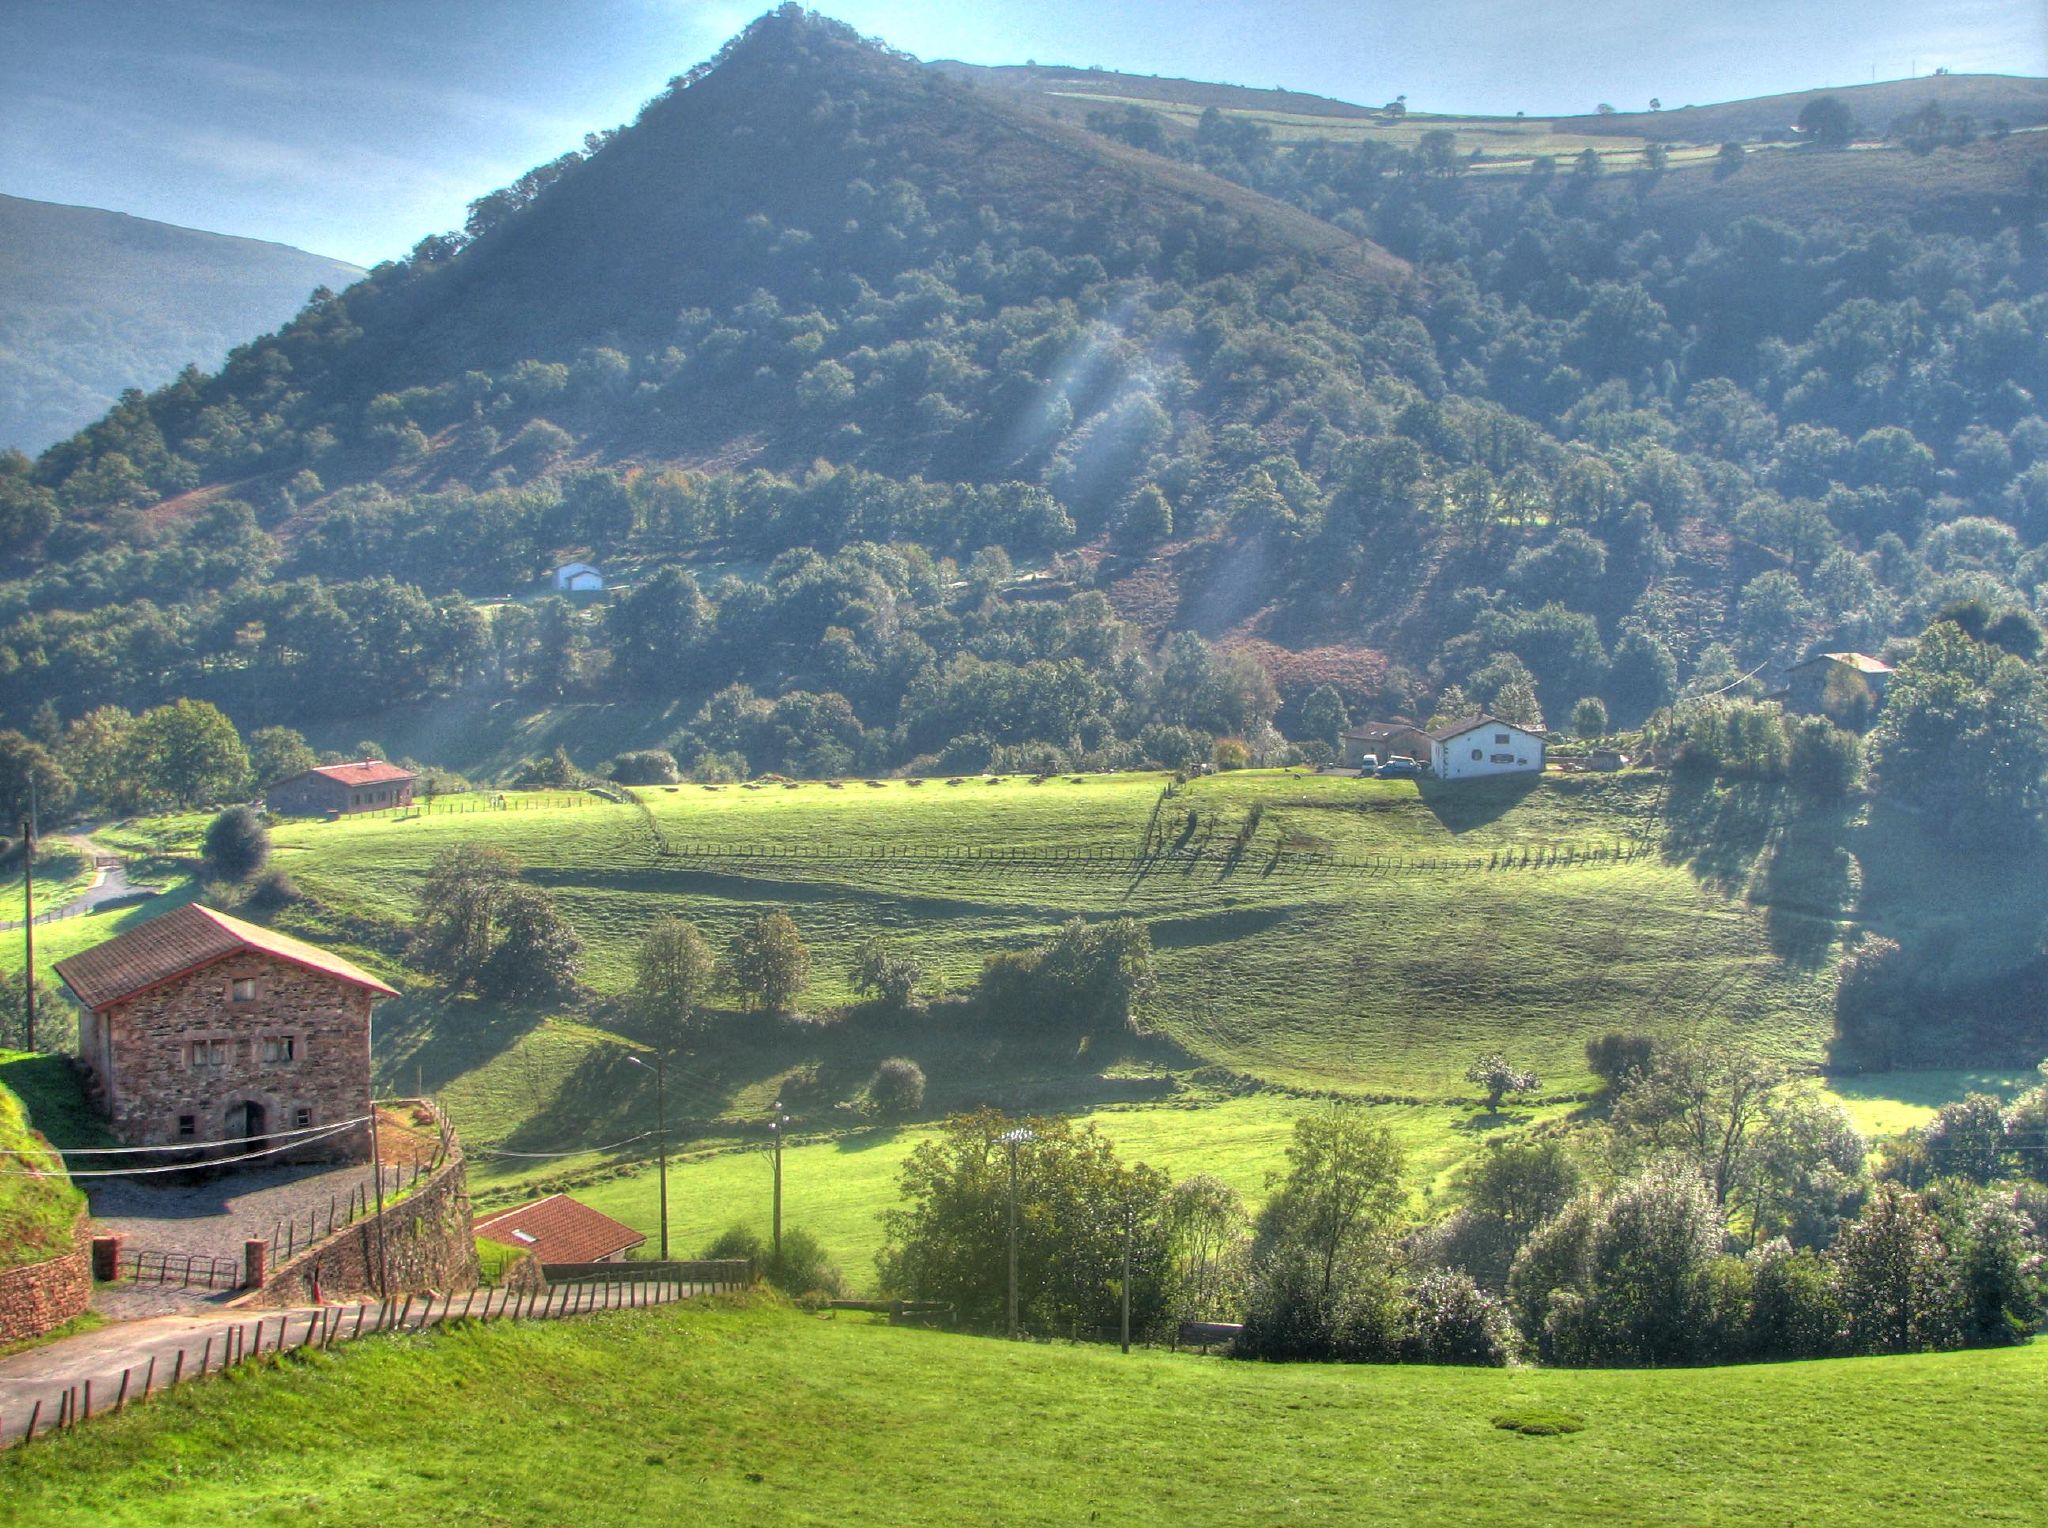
(36, 1213)
(837, 1188)
(754, 1413)
(1450, 920)
(1314, 934)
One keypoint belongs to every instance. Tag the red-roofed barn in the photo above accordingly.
(368, 786)
(559, 1229)
(201, 1027)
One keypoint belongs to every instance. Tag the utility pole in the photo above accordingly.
(28, 926)
(775, 1129)
(1130, 1224)
(660, 1140)
(1013, 1140)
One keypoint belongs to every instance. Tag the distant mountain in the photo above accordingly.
(92, 302)
(2018, 101)
(825, 345)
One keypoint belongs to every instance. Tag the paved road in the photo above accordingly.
(110, 883)
(56, 1377)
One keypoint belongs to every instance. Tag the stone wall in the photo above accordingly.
(141, 1056)
(425, 1240)
(38, 1297)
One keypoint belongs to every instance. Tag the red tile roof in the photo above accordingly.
(367, 772)
(183, 941)
(558, 1229)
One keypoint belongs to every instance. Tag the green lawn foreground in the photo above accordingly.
(742, 1411)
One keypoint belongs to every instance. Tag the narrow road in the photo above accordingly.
(119, 1365)
(109, 883)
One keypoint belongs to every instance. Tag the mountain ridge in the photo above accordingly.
(96, 300)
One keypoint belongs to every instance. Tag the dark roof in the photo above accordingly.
(558, 1229)
(1381, 729)
(1459, 729)
(183, 941)
(366, 772)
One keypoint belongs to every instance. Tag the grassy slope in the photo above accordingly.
(727, 1415)
(837, 1189)
(1373, 981)
(1381, 978)
(36, 1213)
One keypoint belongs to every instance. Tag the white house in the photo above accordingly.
(578, 578)
(1485, 745)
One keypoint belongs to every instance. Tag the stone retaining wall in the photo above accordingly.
(421, 1242)
(38, 1297)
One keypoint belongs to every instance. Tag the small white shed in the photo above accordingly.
(578, 578)
(1485, 745)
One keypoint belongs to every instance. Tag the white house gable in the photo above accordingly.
(1485, 746)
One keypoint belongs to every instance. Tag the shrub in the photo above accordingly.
(1793, 1311)
(645, 766)
(803, 1270)
(237, 845)
(1451, 1320)
(897, 1088)
(271, 892)
(1966, 1139)
(1620, 1060)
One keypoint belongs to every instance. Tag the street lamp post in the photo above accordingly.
(661, 1139)
(1013, 1139)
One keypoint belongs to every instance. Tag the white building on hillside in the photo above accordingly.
(578, 578)
(1485, 745)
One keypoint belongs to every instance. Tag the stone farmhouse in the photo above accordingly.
(1845, 687)
(559, 1229)
(1380, 741)
(1485, 745)
(330, 789)
(202, 1028)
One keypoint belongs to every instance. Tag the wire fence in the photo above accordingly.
(490, 801)
(187, 1270)
(32, 1408)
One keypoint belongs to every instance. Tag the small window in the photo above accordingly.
(522, 1236)
(280, 1048)
(209, 1053)
(1500, 737)
(243, 989)
(302, 1117)
(1504, 758)
(1478, 754)
(188, 1125)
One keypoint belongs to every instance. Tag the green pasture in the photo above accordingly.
(36, 1212)
(745, 1411)
(1317, 932)
(837, 1188)
(1891, 1103)
(1504, 141)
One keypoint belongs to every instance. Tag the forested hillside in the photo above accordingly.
(911, 423)
(93, 302)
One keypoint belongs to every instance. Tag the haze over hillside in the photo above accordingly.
(1261, 409)
(93, 302)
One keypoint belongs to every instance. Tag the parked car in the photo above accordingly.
(1369, 764)
(1398, 766)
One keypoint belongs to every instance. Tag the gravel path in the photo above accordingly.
(214, 1218)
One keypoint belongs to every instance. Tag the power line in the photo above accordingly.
(240, 1140)
(177, 1167)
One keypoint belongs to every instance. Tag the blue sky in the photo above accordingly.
(354, 127)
